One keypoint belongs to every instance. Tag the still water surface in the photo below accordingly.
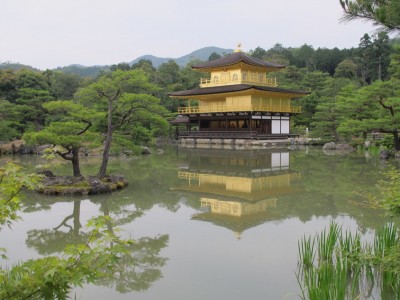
(209, 224)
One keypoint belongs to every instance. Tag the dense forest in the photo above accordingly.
(354, 92)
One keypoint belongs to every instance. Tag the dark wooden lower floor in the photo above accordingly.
(243, 134)
(233, 126)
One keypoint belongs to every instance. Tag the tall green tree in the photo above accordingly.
(259, 53)
(8, 85)
(62, 86)
(373, 108)
(346, 69)
(31, 79)
(327, 116)
(11, 117)
(326, 120)
(125, 97)
(279, 54)
(303, 57)
(381, 51)
(394, 66)
(68, 132)
(168, 75)
(365, 55)
(31, 101)
(146, 65)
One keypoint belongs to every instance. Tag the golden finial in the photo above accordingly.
(239, 46)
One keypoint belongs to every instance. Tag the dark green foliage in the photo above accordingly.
(259, 53)
(214, 56)
(11, 118)
(62, 86)
(346, 69)
(8, 85)
(168, 75)
(382, 13)
(12, 180)
(120, 66)
(82, 71)
(371, 108)
(303, 57)
(147, 67)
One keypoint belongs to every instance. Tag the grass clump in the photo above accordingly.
(334, 265)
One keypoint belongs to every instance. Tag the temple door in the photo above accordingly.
(266, 126)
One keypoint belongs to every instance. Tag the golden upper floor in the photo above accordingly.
(237, 76)
(238, 68)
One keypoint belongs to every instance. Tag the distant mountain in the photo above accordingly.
(15, 66)
(202, 54)
(154, 59)
(93, 71)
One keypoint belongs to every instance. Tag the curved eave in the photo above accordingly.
(239, 65)
(235, 89)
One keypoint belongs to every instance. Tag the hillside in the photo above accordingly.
(15, 66)
(92, 71)
(84, 71)
(201, 54)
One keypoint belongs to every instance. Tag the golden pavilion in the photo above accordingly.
(238, 101)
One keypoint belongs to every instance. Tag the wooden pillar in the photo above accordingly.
(250, 121)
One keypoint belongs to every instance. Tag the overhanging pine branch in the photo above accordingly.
(390, 108)
(89, 124)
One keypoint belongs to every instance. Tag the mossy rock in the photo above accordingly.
(75, 186)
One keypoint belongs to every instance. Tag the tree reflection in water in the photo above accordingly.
(138, 268)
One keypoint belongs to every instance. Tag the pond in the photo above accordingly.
(209, 224)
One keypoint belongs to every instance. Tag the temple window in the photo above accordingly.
(233, 124)
(235, 77)
(244, 76)
(214, 124)
(216, 79)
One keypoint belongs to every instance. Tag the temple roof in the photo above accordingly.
(180, 120)
(235, 58)
(233, 88)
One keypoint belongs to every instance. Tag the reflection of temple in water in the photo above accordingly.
(238, 189)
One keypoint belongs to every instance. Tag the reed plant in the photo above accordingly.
(334, 265)
(386, 258)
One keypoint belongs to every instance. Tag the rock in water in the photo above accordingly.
(75, 186)
(329, 146)
(146, 150)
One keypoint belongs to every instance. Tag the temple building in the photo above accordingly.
(238, 101)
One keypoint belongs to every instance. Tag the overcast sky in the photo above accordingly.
(51, 33)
